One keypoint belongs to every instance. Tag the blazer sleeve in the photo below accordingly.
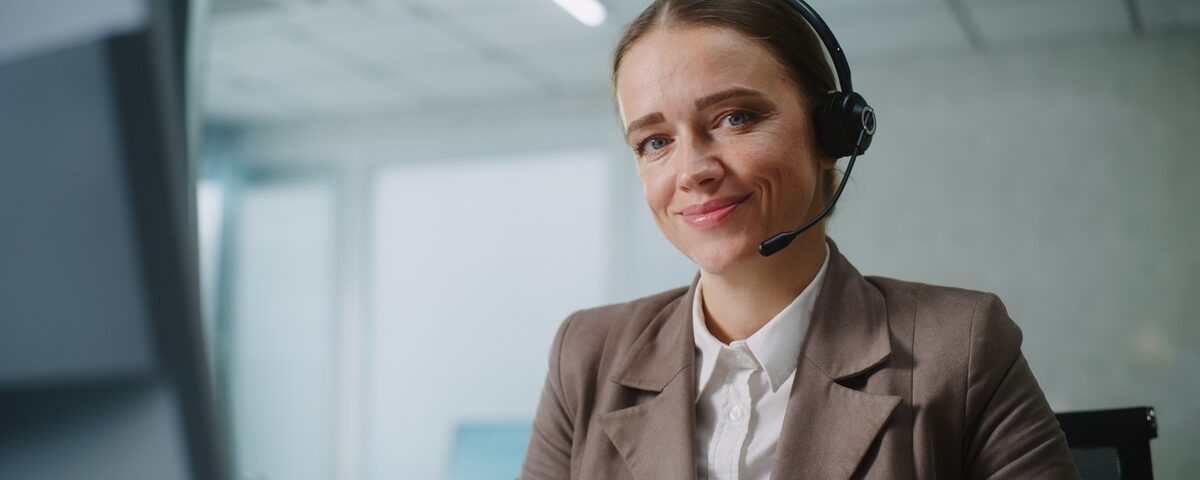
(1011, 432)
(549, 453)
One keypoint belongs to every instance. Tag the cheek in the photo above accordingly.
(657, 188)
(788, 181)
(790, 159)
(783, 173)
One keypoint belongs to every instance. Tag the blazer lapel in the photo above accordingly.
(656, 436)
(828, 427)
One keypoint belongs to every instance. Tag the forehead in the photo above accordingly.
(673, 66)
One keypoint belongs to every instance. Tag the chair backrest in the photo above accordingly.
(1111, 444)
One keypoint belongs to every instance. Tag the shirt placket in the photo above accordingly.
(739, 411)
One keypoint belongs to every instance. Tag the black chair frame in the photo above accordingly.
(1129, 430)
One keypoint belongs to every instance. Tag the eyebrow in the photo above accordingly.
(721, 96)
(649, 119)
(701, 104)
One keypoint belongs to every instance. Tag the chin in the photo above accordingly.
(717, 257)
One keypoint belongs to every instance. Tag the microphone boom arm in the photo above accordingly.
(781, 240)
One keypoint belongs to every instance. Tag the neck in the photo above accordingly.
(739, 302)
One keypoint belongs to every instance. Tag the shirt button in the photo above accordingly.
(735, 413)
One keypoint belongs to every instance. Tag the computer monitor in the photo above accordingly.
(102, 359)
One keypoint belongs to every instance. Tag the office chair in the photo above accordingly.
(1111, 444)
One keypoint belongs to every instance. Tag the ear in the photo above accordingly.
(823, 162)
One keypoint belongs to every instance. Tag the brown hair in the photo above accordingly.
(778, 26)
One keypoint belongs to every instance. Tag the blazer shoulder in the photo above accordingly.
(960, 313)
(591, 338)
(961, 344)
(626, 315)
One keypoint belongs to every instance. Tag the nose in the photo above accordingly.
(699, 167)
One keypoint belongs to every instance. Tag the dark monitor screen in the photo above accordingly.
(102, 367)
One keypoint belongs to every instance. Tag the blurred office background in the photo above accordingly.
(401, 199)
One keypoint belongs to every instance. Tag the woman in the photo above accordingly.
(788, 366)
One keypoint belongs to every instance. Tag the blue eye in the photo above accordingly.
(654, 144)
(737, 118)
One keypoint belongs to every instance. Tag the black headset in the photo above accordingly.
(843, 121)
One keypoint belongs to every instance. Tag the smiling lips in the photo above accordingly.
(711, 213)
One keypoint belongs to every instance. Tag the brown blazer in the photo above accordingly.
(895, 380)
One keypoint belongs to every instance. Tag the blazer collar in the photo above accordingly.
(848, 334)
(827, 428)
(663, 350)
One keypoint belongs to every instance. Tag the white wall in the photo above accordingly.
(280, 356)
(473, 267)
(1062, 178)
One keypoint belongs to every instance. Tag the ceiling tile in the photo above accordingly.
(228, 31)
(336, 87)
(461, 8)
(536, 25)
(323, 18)
(471, 82)
(229, 79)
(577, 66)
(1019, 22)
(403, 46)
(626, 8)
(327, 88)
(225, 7)
(348, 98)
(335, 18)
(227, 100)
(280, 53)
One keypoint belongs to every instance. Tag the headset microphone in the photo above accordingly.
(843, 122)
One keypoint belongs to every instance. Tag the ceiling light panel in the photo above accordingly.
(589, 12)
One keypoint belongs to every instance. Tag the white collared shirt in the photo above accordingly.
(743, 389)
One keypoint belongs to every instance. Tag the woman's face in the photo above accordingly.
(721, 141)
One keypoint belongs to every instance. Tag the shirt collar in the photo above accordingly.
(775, 346)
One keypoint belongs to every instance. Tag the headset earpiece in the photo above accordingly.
(839, 121)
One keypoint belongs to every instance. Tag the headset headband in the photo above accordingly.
(830, 43)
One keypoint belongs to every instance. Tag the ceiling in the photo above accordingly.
(279, 60)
